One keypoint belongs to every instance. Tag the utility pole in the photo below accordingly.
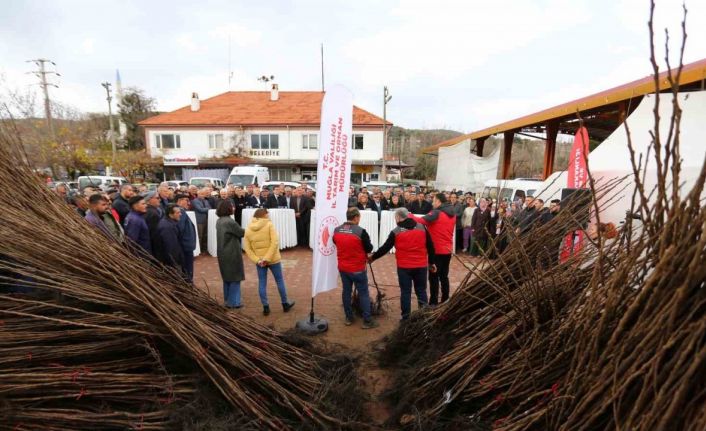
(230, 69)
(42, 75)
(106, 85)
(386, 97)
(322, 67)
(399, 158)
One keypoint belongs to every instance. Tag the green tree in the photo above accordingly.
(425, 168)
(133, 108)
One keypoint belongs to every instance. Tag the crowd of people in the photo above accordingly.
(424, 238)
(156, 224)
(478, 219)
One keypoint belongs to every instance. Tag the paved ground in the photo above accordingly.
(297, 271)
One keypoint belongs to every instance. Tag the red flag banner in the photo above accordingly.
(577, 173)
(577, 177)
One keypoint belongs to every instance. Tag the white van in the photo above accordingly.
(511, 190)
(205, 181)
(100, 181)
(246, 175)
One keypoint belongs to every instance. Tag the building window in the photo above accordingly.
(357, 142)
(310, 142)
(308, 175)
(283, 174)
(215, 142)
(264, 142)
(167, 141)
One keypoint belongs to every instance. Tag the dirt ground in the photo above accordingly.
(297, 263)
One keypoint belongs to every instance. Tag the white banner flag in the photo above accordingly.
(332, 183)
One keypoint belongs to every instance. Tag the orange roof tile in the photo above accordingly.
(254, 108)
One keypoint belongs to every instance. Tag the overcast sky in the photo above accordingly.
(463, 65)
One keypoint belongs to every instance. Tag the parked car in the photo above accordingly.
(100, 181)
(177, 184)
(205, 181)
(310, 184)
(71, 185)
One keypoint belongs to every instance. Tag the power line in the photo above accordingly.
(42, 74)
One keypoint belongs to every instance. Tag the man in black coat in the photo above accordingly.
(302, 209)
(526, 218)
(212, 197)
(548, 215)
(152, 217)
(276, 199)
(419, 205)
(352, 198)
(379, 204)
(552, 247)
(120, 203)
(479, 228)
(171, 252)
(240, 202)
(288, 195)
(255, 200)
(187, 236)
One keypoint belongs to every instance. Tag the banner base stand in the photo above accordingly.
(312, 326)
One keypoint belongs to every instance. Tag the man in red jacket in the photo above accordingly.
(441, 222)
(352, 247)
(414, 251)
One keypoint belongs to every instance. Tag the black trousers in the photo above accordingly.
(440, 277)
(202, 231)
(302, 233)
(459, 239)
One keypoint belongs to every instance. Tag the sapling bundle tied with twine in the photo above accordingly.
(611, 339)
(108, 340)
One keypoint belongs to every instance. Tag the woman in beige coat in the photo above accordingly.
(262, 247)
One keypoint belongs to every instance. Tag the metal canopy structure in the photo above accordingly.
(602, 113)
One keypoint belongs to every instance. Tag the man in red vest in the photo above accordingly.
(441, 222)
(414, 251)
(352, 247)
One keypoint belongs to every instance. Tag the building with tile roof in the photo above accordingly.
(276, 129)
